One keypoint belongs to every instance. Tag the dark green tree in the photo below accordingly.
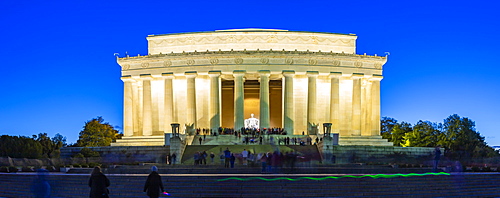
(20, 147)
(462, 140)
(50, 147)
(386, 125)
(96, 132)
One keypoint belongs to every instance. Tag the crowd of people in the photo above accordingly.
(242, 131)
(269, 161)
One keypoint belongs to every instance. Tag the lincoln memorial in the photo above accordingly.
(283, 79)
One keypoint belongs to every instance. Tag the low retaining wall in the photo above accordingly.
(123, 154)
(393, 154)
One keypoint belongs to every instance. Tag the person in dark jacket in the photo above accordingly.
(98, 184)
(153, 184)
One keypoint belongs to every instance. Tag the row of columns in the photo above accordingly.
(365, 119)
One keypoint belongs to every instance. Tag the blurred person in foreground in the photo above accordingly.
(154, 186)
(98, 184)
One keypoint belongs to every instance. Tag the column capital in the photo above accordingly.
(357, 75)
(214, 73)
(127, 78)
(146, 76)
(239, 72)
(190, 74)
(376, 77)
(264, 72)
(288, 73)
(168, 75)
(335, 74)
(312, 73)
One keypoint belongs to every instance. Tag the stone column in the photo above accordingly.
(214, 100)
(137, 107)
(335, 101)
(128, 112)
(311, 98)
(147, 122)
(375, 98)
(191, 98)
(265, 118)
(239, 105)
(366, 107)
(356, 104)
(288, 101)
(169, 102)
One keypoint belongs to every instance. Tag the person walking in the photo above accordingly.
(98, 184)
(153, 186)
(40, 186)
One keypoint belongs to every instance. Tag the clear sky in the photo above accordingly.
(58, 69)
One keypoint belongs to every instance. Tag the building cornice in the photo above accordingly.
(252, 58)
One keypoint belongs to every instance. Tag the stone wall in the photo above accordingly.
(124, 154)
(377, 154)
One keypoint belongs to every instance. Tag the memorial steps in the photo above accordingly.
(456, 185)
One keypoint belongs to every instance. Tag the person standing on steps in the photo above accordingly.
(173, 157)
(153, 184)
(227, 156)
(232, 159)
(200, 139)
(244, 154)
(212, 155)
(98, 184)
(437, 156)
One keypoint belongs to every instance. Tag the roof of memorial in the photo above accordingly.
(248, 30)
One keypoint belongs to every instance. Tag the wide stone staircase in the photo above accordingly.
(265, 185)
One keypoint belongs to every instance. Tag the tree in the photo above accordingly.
(96, 132)
(398, 132)
(462, 140)
(50, 147)
(386, 125)
(20, 147)
(424, 134)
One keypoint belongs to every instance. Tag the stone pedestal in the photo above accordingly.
(177, 147)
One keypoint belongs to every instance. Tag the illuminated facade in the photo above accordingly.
(287, 79)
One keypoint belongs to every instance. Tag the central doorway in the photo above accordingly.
(251, 102)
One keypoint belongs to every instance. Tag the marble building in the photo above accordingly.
(286, 79)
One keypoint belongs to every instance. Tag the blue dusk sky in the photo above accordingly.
(58, 69)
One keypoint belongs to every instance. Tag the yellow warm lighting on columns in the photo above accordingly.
(147, 120)
(169, 102)
(214, 100)
(239, 100)
(191, 98)
(375, 97)
(288, 101)
(264, 99)
(335, 101)
(128, 119)
(356, 104)
(311, 97)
